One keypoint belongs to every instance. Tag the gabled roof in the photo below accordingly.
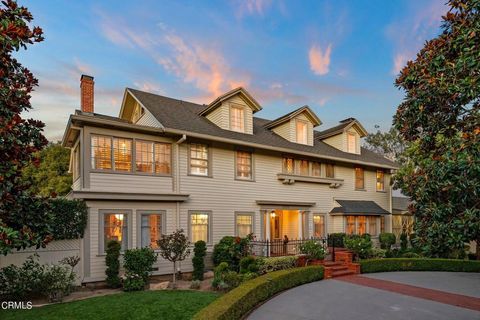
(400, 203)
(182, 117)
(343, 126)
(363, 207)
(240, 91)
(305, 109)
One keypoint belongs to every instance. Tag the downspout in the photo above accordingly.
(177, 175)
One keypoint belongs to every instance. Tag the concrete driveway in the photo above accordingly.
(392, 295)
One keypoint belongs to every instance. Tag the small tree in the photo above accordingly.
(174, 247)
(198, 260)
(113, 265)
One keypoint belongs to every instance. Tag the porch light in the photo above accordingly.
(273, 214)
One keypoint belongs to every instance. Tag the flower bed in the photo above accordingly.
(241, 300)
(405, 264)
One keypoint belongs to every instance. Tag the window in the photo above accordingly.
(288, 165)
(382, 224)
(151, 230)
(199, 225)
(351, 142)
(122, 154)
(244, 224)
(359, 179)
(101, 152)
(244, 165)
(316, 169)
(76, 162)
(163, 158)
(137, 113)
(237, 119)
(329, 171)
(380, 180)
(115, 228)
(318, 226)
(372, 225)
(302, 132)
(302, 167)
(350, 225)
(144, 156)
(361, 225)
(199, 159)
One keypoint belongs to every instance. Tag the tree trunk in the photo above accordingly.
(174, 275)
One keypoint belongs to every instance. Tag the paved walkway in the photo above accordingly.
(394, 295)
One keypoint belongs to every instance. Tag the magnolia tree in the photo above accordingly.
(174, 248)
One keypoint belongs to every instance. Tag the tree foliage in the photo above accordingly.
(440, 120)
(51, 175)
(174, 247)
(389, 144)
(23, 216)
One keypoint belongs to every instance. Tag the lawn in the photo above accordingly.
(136, 305)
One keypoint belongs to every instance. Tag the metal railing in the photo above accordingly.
(280, 247)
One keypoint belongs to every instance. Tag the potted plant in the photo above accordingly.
(314, 252)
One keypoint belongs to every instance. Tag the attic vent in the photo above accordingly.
(348, 120)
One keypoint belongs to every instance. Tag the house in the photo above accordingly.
(216, 170)
(402, 219)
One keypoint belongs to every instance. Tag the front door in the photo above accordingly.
(275, 227)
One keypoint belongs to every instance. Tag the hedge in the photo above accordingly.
(418, 264)
(241, 300)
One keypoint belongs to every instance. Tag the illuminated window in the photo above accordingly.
(115, 228)
(288, 165)
(199, 159)
(361, 225)
(316, 169)
(151, 230)
(372, 225)
(302, 167)
(101, 152)
(144, 156)
(244, 224)
(302, 132)
(244, 165)
(76, 162)
(329, 170)
(318, 226)
(359, 179)
(350, 225)
(237, 119)
(380, 180)
(163, 158)
(382, 224)
(122, 154)
(351, 142)
(199, 225)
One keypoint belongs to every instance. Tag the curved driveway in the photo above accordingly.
(376, 296)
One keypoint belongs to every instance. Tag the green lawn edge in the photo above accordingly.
(418, 264)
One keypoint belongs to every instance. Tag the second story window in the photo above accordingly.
(351, 142)
(153, 157)
(301, 132)
(199, 159)
(359, 178)
(237, 119)
(288, 165)
(163, 158)
(302, 167)
(244, 165)
(122, 154)
(380, 180)
(101, 152)
(329, 170)
(316, 169)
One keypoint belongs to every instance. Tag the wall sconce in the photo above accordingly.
(273, 214)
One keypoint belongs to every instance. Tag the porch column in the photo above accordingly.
(300, 224)
(267, 225)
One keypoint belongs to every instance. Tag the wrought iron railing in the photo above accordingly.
(280, 247)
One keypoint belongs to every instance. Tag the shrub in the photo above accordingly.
(198, 261)
(231, 279)
(276, 263)
(248, 265)
(113, 264)
(313, 250)
(133, 282)
(361, 246)
(138, 263)
(195, 284)
(336, 238)
(410, 254)
(408, 264)
(387, 240)
(403, 241)
(230, 250)
(241, 300)
(68, 218)
(13, 285)
(56, 282)
(376, 253)
(219, 275)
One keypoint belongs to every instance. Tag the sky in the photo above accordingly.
(339, 57)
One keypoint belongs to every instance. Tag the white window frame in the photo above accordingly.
(242, 118)
(351, 135)
(355, 178)
(241, 213)
(208, 160)
(323, 216)
(237, 176)
(209, 224)
(300, 139)
(141, 213)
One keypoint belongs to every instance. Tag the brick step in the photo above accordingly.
(342, 273)
(332, 264)
(339, 268)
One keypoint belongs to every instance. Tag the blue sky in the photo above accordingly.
(338, 57)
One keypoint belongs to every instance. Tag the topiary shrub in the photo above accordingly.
(138, 263)
(68, 218)
(198, 260)
(241, 300)
(412, 264)
(387, 240)
(113, 264)
(337, 239)
(230, 250)
(403, 241)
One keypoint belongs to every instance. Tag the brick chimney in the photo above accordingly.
(86, 93)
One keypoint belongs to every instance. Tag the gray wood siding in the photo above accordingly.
(148, 120)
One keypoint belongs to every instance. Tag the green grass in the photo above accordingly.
(135, 305)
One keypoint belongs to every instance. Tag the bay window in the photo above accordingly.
(243, 164)
(372, 225)
(361, 225)
(359, 179)
(350, 225)
(244, 224)
(199, 226)
(199, 159)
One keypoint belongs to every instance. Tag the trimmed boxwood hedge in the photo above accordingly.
(420, 264)
(241, 300)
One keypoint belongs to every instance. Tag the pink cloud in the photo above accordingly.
(252, 7)
(319, 60)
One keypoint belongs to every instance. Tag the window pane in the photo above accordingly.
(237, 119)
(316, 169)
(382, 224)
(199, 159)
(359, 178)
(144, 156)
(288, 165)
(318, 226)
(302, 167)
(115, 228)
(151, 227)
(101, 152)
(380, 180)
(372, 226)
(329, 171)
(351, 142)
(244, 165)
(163, 158)
(362, 225)
(244, 225)
(350, 225)
(122, 154)
(199, 227)
(302, 132)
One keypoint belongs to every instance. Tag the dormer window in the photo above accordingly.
(302, 132)
(237, 118)
(351, 142)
